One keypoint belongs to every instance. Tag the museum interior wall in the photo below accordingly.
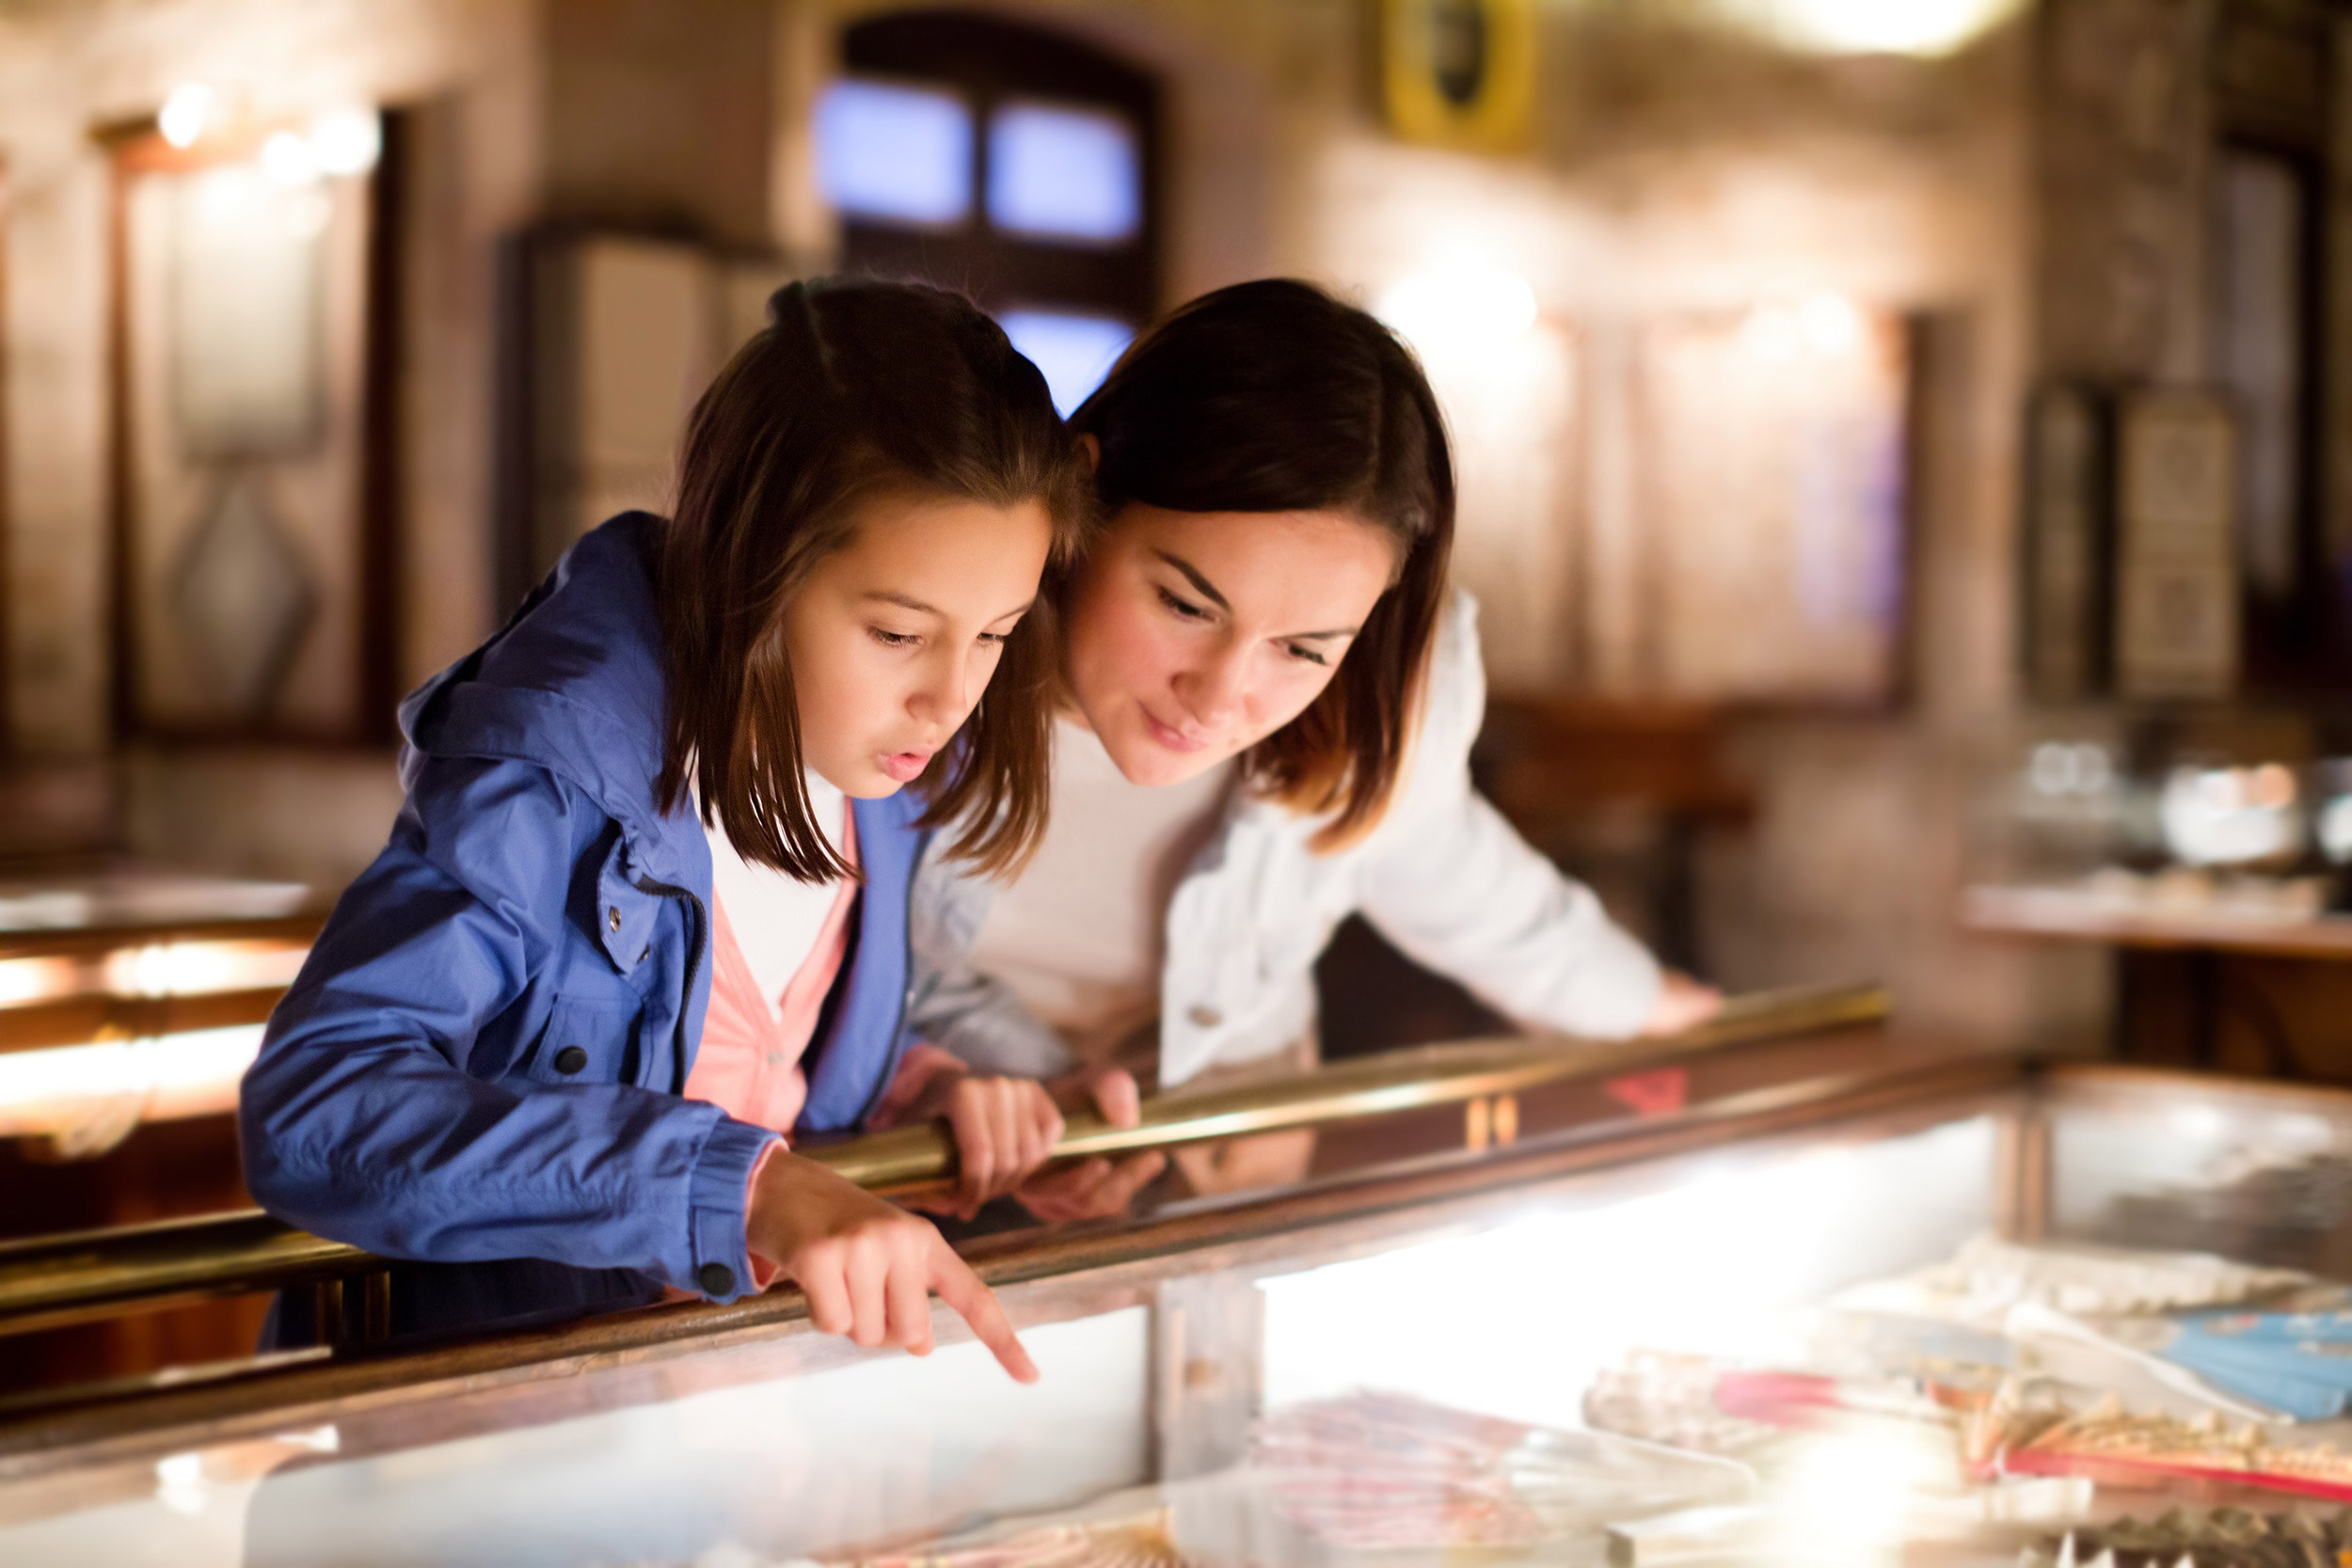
(1736, 331)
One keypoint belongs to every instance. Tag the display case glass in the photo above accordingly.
(1200, 1363)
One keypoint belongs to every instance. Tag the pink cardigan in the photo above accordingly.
(749, 1062)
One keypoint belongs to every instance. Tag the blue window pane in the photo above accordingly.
(1073, 352)
(895, 153)
(1063, 173)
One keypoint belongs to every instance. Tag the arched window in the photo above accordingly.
(1017, 165)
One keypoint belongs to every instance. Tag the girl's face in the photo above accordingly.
(1192, 636)
(893, 636)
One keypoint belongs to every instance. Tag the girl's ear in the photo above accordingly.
(1093, 448)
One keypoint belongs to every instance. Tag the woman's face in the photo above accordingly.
(893, 636)
(1194, 635)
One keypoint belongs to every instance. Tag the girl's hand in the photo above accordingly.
(1096, 1188)
(1682, 1003)
(868, 1268)
(1004, 1128)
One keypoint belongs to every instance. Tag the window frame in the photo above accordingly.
(991, 62)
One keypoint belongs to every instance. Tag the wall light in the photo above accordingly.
(1832, 324)
(23, 980)
(1827, 326)
(158, 969)
(1456, 308)
(186, 112)
(201, 968)
(347, 142)
(289, 159)
(51, 1092)
(1772, 333)
(1870, 26)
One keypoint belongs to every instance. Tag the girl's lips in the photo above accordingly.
(1175, 740)
(905, 766)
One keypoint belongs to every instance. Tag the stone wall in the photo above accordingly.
(1674, 167)
(626, 111)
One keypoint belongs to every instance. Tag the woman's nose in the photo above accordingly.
(1214, 692)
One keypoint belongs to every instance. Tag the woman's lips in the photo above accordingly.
(1175, 740)
(905, 766)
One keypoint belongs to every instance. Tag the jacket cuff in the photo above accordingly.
(715, 1205)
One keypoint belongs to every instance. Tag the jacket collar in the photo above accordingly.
(573, 683)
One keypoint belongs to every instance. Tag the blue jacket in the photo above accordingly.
(482, 1057)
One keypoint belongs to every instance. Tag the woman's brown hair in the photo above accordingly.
(1274, 397)
(854, 390)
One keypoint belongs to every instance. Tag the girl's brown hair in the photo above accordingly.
(1274, 397)
(854, 390)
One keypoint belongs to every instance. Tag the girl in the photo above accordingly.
(643, 911)
(1268, 699)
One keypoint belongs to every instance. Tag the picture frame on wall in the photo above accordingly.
(253, 475)
(1774, 457)
(2177, 617)
(1460, 73)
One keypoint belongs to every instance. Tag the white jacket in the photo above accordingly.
(1441, 876)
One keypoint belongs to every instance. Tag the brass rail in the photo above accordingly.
(1374, 1086)
(50, 1281)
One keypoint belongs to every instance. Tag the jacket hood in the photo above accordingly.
(573, 683)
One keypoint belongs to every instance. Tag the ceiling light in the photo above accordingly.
(1459, 308)
(185, 114)
(1872, 26)
(349, 141)
(289, 159)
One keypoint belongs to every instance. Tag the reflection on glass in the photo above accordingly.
(2231, 815)
(1063, 173)
(1075, 352)
(89, 1095)
(2059, 769)
(2334, 826)
(2261, 333)
(898, 153)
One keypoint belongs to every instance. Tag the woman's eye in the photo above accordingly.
(993, 638)
(891, 639)
(1184, 608)
(1309, 655)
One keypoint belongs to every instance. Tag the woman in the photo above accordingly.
(1269, 696)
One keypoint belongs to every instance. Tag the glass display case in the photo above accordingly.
(1216, 1372)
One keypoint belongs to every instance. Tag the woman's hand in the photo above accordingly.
(1004, 1130)
(1095, 1188)
(1682, 1003)
(868, 1268)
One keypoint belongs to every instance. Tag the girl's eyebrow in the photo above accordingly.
(908, 601)
(1207, 590)
(904, 601)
